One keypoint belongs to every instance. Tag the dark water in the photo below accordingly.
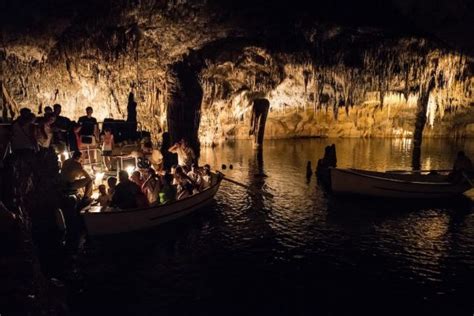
(298, 253)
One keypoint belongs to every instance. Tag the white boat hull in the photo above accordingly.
(389, 185)
(124, 221)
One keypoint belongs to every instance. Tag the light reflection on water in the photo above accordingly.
(300, 252)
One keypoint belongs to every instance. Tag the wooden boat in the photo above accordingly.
(407, 185)
(117, 221)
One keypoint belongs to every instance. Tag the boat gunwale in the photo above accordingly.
(87, 213)
(357, 172)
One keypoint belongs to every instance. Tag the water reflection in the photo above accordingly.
(301, 248)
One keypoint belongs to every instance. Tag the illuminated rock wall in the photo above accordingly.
(336, 82)
(369, 92)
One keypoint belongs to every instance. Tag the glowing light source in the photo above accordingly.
(66, 154)
(99, 176)
(130, 170)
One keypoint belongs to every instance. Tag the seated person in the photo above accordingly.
(126, 192)
(206, 178)
(151, 186)
(168, 191)
(75, 177)
(112, 183)
(195, 176)
(136, 177)
(103, 198)
(184, 185)
(150, 155)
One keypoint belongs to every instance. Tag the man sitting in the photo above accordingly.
(126, 192)
(75, 177)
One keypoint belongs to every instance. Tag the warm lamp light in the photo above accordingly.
(99, 176)
(130, 170)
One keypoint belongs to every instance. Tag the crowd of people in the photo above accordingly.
(31, 133)
(147, 187)
(154, 181)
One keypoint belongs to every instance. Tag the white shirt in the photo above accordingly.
(185, 156)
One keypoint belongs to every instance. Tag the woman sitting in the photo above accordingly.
(151, 186)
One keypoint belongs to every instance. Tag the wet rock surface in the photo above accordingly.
(96, 54)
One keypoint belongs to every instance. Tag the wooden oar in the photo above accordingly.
(267, 194)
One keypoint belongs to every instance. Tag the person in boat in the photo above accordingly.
(173, 169)
(107, 147)
(169, 159)
(184, 185)
(112, 183)
(186, 155)
(462, 167)
(195, 177)
(126, 192)
(61, 127)
(44, 134)
(90, 128)
(151, 187)
(206, 178)
(328, 161)
(147, 156)
(103, 198)
(136, 177)
(75, 177)
(168, 191)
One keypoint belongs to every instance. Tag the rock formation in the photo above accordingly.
(195, 68)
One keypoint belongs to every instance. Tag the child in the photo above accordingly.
(103, 198)
(107, 147)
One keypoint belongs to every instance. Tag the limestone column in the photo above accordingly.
(257, 122)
